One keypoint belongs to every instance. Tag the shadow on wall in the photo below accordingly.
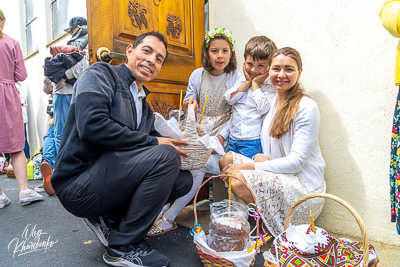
(342, 175)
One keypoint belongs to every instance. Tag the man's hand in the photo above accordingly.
(190, 101)
(260, 158)
(257, 81)
(173, 142)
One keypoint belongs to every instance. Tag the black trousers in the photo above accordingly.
(128, 187)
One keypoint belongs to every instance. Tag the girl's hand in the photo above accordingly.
(190, 101)
(257, 81)
(260, 158)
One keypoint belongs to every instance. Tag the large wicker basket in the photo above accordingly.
(210, 260)
(198, 153)
(352, 211)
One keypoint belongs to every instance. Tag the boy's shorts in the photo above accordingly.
(248, 148)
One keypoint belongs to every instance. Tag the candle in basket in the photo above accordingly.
(259, 243)
(204, 108)
(312, 222)
(229, 192)
(180, 109)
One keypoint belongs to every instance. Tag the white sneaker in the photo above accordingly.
(29, 196)
(40, 189)
(4, 201)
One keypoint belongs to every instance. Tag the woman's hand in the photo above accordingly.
(260, 158)
(236, 167)
(190, 101)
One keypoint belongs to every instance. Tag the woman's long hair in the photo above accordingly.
(288, 108)
(2, 18)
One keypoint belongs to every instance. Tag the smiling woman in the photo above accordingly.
(291, 165)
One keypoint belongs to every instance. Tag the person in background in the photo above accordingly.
(12, 69)
(78, 29)
(62, 93)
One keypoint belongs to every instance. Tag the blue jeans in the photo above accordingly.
(248, 148)
(49, 147)
(61, 105)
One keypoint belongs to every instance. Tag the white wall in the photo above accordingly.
(37, 100)
(348, 61)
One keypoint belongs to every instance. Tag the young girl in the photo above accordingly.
(216, 76)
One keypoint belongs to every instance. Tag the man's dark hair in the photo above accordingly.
(156, 34)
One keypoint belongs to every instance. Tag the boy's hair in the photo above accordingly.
(156, 34)
(205, 56)
(259, 48)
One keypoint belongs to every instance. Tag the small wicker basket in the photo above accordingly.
(198, 153)
(352, 211)
(210, 260)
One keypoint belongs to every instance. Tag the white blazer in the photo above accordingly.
(300, 144)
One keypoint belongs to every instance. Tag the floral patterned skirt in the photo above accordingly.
(275, 193)
(394, 168)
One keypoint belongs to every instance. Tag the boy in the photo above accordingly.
(251, 98)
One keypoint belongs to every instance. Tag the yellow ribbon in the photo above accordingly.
(390, 19)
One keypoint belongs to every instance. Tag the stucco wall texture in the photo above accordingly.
(348, 60)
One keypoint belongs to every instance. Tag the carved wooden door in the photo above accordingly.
(115, 24)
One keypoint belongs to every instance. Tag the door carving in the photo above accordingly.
(115, 24)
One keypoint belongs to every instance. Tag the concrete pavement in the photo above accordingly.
(69, 241)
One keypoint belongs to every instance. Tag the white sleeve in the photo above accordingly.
(264, 99)
(225, 131)
(194, 84)
(230, 91)
(306, 127)
(76, 70)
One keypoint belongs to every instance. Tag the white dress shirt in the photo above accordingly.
(300, 144)
(138, 96)
(194, 86)
(248, 109)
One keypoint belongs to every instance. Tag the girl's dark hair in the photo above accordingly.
(205, 56)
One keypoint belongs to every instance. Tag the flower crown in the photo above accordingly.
(221, 31)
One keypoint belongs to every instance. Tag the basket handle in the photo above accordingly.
(218, 176)
(346, 205)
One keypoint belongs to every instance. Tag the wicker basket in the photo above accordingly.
(210, 260)
(352, 211)
(198, 153)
